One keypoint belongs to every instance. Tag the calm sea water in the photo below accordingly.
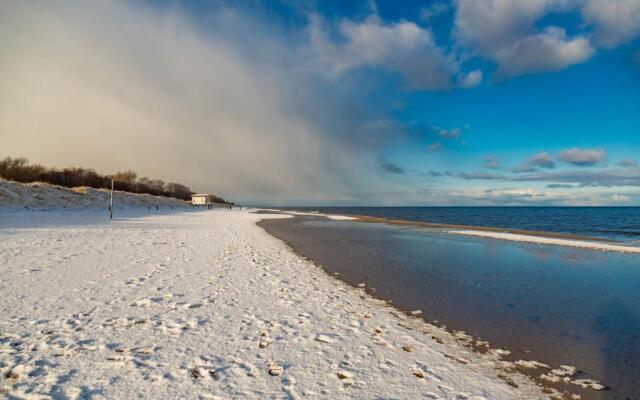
(554, 304)
(618, 223)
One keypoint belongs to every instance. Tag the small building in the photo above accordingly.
(201, 199)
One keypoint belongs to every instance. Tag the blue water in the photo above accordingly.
(559, 305)
(617, 223)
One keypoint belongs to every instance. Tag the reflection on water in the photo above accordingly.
(557, 305)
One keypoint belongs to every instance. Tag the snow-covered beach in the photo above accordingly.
(208, 305)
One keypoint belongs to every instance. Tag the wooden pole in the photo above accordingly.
(111, 202)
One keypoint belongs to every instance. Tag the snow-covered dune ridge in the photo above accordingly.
(43, 196)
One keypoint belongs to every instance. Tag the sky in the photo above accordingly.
(291, 102)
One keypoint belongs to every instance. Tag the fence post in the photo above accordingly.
(111, 202)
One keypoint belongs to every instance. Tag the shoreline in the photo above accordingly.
(292, 328)
(539, 372)
(487, 232)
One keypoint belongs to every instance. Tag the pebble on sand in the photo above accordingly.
(418, 372)
(324, 339)
(275, 370)
(343, 375)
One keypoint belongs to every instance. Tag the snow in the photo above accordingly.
(207, 305)
(319, 214)
(549, 240)
(531, 364)
(565, 374)
(341, 217)
(302, 213)
(15, 195)
(589, 384)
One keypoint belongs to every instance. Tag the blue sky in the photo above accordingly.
(469, 102)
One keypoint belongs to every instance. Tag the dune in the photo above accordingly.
(43, 196)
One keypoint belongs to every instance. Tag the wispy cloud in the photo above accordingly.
(433, 10)
(471, 79)
(628, 163)
(391, 167)
(603, 177)
(435, 146)
(454, 133)
(559, 186)
(583, 157)
(538, 160)
(504, 196)
(491, 162)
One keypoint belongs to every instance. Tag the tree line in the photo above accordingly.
(21, 170)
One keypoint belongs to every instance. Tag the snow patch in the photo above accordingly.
(548, 240)
(341, 217)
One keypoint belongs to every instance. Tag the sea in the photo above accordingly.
(615, 223)
(555, 304)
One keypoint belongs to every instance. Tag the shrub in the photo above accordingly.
(19, 169)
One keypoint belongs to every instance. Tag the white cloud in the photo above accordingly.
(602, 177)
(491, 162)
(402, 46)
(433, 10)
(228, 109)
(454, 133)
(583, 157)
(615, 21)
(628, 163)
(472, 79)
(504, 32)
(531, 196)
(620, 198)
(550, 50)
(509, 196)
(538, 160)
(435, 146)
(542, 160)
(504, 192)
